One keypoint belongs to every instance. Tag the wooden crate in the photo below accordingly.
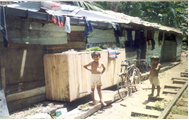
(65, 76)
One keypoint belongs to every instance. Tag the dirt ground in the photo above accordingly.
(122, 109)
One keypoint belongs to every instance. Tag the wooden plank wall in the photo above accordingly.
(70, 45)
(24, 67)
(77, 78)
(33, 32)
(23, 71)
(169, 51)
(56, 66)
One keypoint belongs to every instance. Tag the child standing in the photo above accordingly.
(154, 80)
(97, 69)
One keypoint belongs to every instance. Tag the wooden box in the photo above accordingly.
(65, 76)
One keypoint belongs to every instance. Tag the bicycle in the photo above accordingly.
(129, 76)
(142, 64)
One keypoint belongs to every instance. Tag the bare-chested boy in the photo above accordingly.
(97, 69)
(154, 80)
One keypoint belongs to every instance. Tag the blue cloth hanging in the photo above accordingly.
(112, 54)
(88, 27)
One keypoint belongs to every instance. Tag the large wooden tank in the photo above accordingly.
(65, 76)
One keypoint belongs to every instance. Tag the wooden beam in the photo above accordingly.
(170, 91)
(169, 98)
(10, 89)
(25, 94)
(108, 97)
(153, 113)
(78, 114)
(173, 86)
(179, 78)
(179, 81)
(150, 105)
(69, 45)
(170, 105)
(3, 77)
(184, 74)
(26, 102)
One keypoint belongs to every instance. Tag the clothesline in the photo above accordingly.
(65, 20)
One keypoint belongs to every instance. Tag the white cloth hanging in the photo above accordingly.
(67, 27)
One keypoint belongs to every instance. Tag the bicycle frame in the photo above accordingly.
(128, 77)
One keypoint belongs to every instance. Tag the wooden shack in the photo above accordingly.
(65, 76)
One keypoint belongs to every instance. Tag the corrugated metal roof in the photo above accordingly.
(99, 15)
(29, 5)
(135, 20)
(139, 21)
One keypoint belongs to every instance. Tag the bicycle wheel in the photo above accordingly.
(123, 86)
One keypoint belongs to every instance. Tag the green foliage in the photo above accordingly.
(176, 110)
(94, 49)
(185, 94)
(170, 13)
(161, 105)
(181, 103)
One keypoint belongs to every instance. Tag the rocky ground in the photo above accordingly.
(118, 110)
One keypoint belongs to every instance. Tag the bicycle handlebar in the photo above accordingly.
(140, 60)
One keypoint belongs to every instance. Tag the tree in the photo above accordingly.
(172, 13)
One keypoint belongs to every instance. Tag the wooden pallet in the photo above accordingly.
(150, 105)
(179, 78)
(170, 91)
(111, 97)
(184, 74)
(146, 112)
(173, 86)
(179, 81)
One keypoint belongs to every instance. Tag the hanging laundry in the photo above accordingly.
(54, 19)
(112, 54)
(129, 37)
(88, 27)
(61, 21)
(114, 26)
(118, 31)
(160, 38)
(153, 44)
(67, 27)
(133, 35)
(55, 4)
(3, 27)
(137, 39)
(150, 37)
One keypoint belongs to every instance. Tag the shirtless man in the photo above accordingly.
(97, 69)
(154, 80)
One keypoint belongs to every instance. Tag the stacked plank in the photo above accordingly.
(66, 78)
